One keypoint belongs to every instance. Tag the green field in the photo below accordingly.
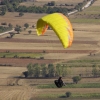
(18, 55)
(71, 85)
(73, 96)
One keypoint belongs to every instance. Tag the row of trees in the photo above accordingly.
(44, 9)
(50, 70)
(13, 5)
(9, 5)
(44, 70)
(33, 9)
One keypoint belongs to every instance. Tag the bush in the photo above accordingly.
(26, 25)
(41, 57)
(68, 94)
(25, 74)
(4, 56)
(76, 79)
(21, 14)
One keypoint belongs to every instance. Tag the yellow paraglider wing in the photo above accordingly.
(60, 25)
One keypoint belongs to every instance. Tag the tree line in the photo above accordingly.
(51, 70)
(43, 70)
(13, 6)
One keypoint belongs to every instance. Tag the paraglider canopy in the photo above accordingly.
(60, 25)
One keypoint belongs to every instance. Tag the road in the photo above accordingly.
(86, 6)
(7, 32)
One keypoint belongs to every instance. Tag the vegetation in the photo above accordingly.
(68, 94)
(46, 71)
(95, 71)
(18, 29)
(25, 74)
(52, 3)
(57, 70)
(84, 62)
(11, 35)
(9, 54)
(50, 7)
(76, 96)
(29, 31)
(71, 85)
(52, 70)
(21, 14)
(26, 25)
(76, 79)
(4, 28)
(86, 95)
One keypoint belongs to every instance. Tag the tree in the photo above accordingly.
(33, 70)
(30, 70)
(33, 26)
(95, 71)
(51, 70)
(25, 74)
(52, 3)
(36, 70)
(76, 79)
(2, 13)
(3, 10)
(64, 70)
(58, 70)
(10, 25)
(18, 29)
(26, 25)
(29, 31)
(68, 94)
(44, 70)
(11, 34)
(61, 70)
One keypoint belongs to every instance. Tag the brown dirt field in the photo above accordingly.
(24, 62)
(14, 18)
(17, 93)
(50, 51)
(43, 41)
(25, 43)
(97, 3)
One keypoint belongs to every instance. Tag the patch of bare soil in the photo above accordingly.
(24, 62)
(43, 41)
(16, 92)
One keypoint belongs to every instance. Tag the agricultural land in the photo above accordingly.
(81, 59)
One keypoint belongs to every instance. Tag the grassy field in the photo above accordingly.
(86, 42)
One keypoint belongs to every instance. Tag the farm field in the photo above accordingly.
(30, 48)
(58, 3)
